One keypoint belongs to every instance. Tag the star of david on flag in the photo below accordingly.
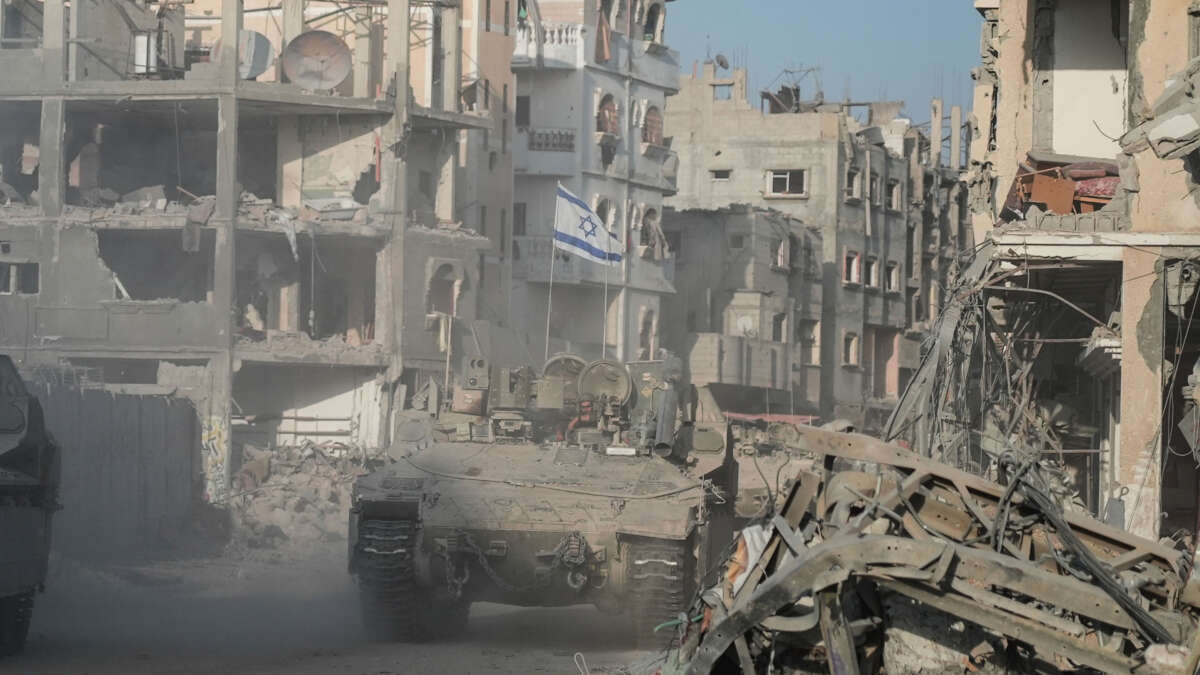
(579, 230)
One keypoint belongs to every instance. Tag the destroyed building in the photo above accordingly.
(288, 230)
(846, 288)
(1078, 325)
(592, 77)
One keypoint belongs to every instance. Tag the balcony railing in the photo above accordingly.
(561, 45)
(552, 140)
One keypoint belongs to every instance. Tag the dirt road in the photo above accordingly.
(294, 616)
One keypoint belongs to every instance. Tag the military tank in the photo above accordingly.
(28, 498)
(587, 484)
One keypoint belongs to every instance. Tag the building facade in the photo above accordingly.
(1082, 179)
(591, 81)
(860, 184)
(295, 258)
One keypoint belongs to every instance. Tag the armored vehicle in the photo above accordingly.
(588, 484)
(28, 498)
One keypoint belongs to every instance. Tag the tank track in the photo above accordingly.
(394, 606)
(16, 611)
(660, 581)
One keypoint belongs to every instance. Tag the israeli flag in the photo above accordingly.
(580, 231)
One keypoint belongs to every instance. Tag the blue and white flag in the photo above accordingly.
(579, 230)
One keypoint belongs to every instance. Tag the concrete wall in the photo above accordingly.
(130, 469)
(1089, 81)
(297, 404)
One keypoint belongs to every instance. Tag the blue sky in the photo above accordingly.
(910, 50)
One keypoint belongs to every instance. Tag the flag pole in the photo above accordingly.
(550, 290)
(604, 327)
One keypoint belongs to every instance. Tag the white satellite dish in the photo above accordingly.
(255, 54)
(317, 60)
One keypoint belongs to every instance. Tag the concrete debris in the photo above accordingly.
(880, 558)
(293, 496)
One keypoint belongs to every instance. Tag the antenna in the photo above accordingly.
(317, 60)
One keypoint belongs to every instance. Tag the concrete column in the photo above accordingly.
(447, 192)
(217, 434)
(1138, 454)
(289, 161)
(54, 52)
(955, 137)
(293, 25)
(362, 53)
(452, 61)
(51, 160)
(394, 184)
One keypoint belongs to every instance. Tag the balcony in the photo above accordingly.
(534, 265)
(656, 64)
(545, 151)
(562, 46)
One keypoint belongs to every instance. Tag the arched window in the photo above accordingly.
(606, 116)
(649, 227)
(652, 127)
(440, 295)
(652, 28)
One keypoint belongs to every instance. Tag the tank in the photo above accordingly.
(587, 484)
(28, 499)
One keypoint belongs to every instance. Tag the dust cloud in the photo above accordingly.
(277, 613)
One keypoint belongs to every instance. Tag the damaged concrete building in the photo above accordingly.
(592, 77)
(1083, 177)
(834, 234)
(287, 229)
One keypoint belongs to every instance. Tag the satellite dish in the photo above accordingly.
(722, 61)
(255, 54)
(317, 60)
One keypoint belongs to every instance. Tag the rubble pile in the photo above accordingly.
(880, 557)
(293, 496)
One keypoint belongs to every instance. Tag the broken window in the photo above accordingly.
(503, 231)
(522, 112)
(155, 265)
(851, 272)
(518, 219)
(720, 174)
(853, 184)
(652, 127)
(780, 253)
(871, 272)
(892, 280)
(646, 335)
(778, 327)
(786, 181)
(895, 195)
(850, 349)
(722, 92)
(19, 278)
(652, 29)
(808, 336)
(606, 116)
(441, 294)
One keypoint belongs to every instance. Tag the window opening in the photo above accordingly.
(787, 182)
